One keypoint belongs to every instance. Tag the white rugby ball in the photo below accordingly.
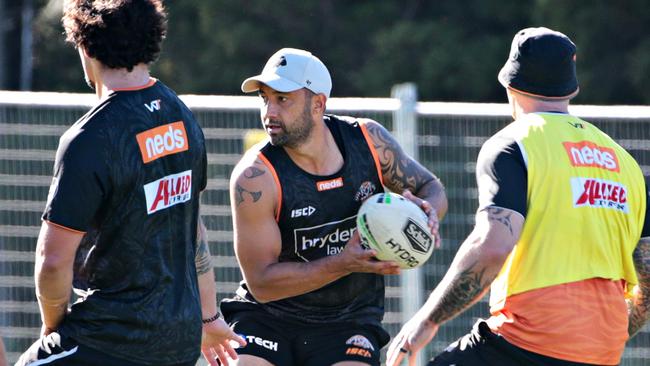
(396, 228)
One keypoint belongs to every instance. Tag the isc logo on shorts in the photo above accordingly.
(588, 154)
(593, 192)
(162, 141)
(168, 191)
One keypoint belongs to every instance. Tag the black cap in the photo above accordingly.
(542, 63)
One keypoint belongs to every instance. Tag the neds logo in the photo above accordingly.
(326, 185)
(162, 141)
(588, 154)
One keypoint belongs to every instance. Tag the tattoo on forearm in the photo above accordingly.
(399, 170)
(640, 305)
(466, 288)
(202, 259)
(500, 215)
(240, 191)
(253, 172)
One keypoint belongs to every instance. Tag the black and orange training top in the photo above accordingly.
(128, 175)
(317, 217)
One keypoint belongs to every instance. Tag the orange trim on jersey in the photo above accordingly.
(544, 96)
(277, 182)
(64, 227)
(583, 321)
(371, 146)
(145, 86)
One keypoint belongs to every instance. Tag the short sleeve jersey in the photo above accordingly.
(502, 177)
(128, 175)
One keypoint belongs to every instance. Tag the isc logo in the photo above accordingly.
(303, 212)
(588, 154)
(162, 141)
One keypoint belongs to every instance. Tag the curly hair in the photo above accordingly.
(117, 33)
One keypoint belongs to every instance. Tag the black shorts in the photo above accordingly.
(58, 350)
(481, 347)
(285, 342)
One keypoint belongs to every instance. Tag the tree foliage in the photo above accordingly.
(452, 50)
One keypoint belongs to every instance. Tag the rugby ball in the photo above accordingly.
(396, 228)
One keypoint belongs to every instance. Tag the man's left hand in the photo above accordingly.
(216, 343)
(410, 340)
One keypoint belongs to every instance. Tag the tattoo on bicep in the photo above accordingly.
(462, 292)
(240, 193)
(640, 308)
(253, 172)
(202, 258)
(500, 215)
(400, 171)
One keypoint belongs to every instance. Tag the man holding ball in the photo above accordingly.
(311, 294)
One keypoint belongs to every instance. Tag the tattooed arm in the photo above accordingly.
(475, 266)
(402, 173)
(216, 335)
(255, 201)
(203, 261)
(639, 305)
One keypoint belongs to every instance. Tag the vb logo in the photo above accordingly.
(154, 105)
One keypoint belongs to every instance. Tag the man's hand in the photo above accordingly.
(431, 213)
(215, 343)
(413, 336)
(357, 259)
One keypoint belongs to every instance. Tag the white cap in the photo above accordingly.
(291, 69)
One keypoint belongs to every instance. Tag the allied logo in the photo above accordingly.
(303, 212)
(366, 190)
(168, 191)
(360, 341)
(588, 154)
(152, 106)
(323, 240)
(417, 236)
(599, 193)
(326, 185)
(162, 141)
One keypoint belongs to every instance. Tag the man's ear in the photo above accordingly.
(318, 103)
(82, 49)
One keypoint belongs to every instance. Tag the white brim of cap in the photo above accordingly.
(273, 81)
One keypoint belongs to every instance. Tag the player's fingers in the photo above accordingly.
(394, 355)
(221, 356)
(413, 359)
(385, 267)
(230, 350)
(210, 356)
(237, 338)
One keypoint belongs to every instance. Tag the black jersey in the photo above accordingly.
(128, 174)
(317, 217)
